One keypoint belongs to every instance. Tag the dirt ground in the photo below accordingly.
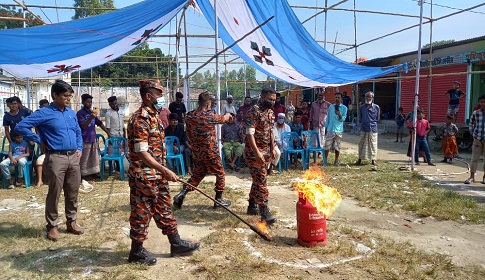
(463, 243)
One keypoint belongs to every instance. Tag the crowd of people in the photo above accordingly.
(70, 154)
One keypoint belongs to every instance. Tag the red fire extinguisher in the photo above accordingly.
(311, 225)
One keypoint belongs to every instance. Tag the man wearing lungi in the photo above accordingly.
(369, 116)
(88, 120)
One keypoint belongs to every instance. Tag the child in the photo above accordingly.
(400, 117)
(450, 148)
(17, 155)
(422, 129)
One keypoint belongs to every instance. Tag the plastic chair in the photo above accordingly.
(312, 145)
(178, 158)
(100, 137)
(117, 145)
(223, 157)
(27, 174)
(4, 153)
(292, 146)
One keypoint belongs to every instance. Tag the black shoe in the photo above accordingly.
(219, 199)
(178, 199)
(444, 160)
(139, 254)
(180, 247)
(266, 215)
(253, 208)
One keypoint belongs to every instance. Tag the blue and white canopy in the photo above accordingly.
(282, 48)
(57, 49)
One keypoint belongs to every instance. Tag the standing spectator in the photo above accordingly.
(259, 151)
(213, 104)
(178, 107)
(61, 140)
(450, 147)
(296, 125)
(335, 128)
(477, 129)
(114, 119)
(400, 118)
(369, 116)
(290, 112)
(346, 100)
(231, 142)
(200, 125)
(422, 130)
(88, 120)
(305, 115)
(455, 95)
(278, 106)
(18, 151)
(163, 115)
(177, 129)
(228, 108)
(40, 158)
(246, 106)
(148, 178)
(14, 116)
(318, 115)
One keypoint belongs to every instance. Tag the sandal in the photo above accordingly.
(470, 180)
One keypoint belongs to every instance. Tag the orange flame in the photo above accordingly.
(324, 198)
(263, 228)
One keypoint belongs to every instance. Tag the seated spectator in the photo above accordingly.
(296, 125)
(231, 142)
(40, 158)
(17, 155)
(177, 129)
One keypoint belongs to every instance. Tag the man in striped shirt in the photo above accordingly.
(477, 129)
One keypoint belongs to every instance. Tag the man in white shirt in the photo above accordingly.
(229, 106)
(114, 119)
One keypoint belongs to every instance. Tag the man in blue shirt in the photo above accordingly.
(14, 116)
(369, 117)
(61, 141)
(334, 126)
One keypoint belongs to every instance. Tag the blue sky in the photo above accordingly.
(339, 24)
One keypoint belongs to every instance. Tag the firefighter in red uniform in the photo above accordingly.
(258, 152)
(202, 136)
(148, 178)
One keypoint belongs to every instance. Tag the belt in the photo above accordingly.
(62, 152)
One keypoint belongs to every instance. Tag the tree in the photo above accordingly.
(17, 18)
(92, 8)
(439, 43)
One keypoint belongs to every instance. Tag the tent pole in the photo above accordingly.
(325, 31)
(186, 78)
(430, 82)
(218, 78)
(416, 94)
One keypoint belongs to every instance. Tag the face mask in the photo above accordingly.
(160, 103)
(268, 104)
(281, 121)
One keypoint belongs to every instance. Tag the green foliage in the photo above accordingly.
(127, 70)
(10, 11)
(92, 7)
(439, 43)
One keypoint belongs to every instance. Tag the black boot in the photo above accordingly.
(226, 203)
(178, 199)
(266, 215)
(180, 247)
(139, 254)
(252, 208)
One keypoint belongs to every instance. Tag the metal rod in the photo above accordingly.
(252, 227)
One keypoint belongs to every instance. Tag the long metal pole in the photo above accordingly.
(187, 78)
(416, 90)
(430, 83)
(218, 78)
(325, 31)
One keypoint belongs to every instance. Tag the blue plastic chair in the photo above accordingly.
(117, 145)
(4, 152)
(312, 146)
(100, 137)
(223, 157)
(178, 158)
(291, 145)
(27, 174)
